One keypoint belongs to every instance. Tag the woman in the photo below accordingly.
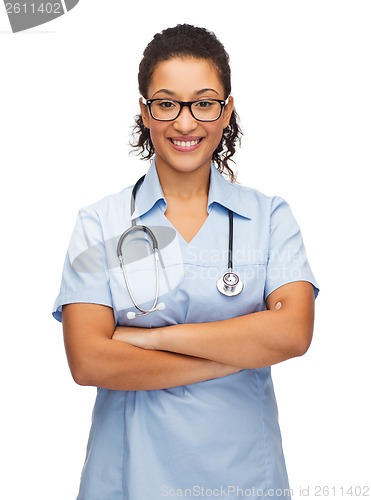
(185, 405)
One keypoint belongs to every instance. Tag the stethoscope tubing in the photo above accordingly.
(229, 284)
(147, 230)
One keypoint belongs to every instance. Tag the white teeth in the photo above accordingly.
(186, 144)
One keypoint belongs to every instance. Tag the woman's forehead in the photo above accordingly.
(189, 74)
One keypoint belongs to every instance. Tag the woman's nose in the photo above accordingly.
(185, 121)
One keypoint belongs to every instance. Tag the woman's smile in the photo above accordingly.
(185, 143)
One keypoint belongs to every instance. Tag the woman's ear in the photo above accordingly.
(228, 110)
(144, 113)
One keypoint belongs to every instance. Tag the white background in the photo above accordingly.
(68, 94)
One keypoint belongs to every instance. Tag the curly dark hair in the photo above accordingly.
(185, 40)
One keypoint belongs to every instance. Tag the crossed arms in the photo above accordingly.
(129, 358)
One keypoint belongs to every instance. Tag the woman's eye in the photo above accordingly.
(166, 104)
(205, 104)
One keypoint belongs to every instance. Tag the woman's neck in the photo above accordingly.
(184, 185)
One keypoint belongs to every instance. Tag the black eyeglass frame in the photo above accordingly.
(185, 104)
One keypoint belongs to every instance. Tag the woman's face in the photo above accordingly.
(187, 79)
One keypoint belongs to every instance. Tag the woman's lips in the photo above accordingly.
(185, 144)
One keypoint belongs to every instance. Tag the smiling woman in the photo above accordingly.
(175, 125)
(203, 46)
(185, 391)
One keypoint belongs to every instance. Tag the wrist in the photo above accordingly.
(157, 340)
(168, 338)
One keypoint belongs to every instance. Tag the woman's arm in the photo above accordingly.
(96, 359)
(250, 341)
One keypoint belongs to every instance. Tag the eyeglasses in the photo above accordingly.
(203, 110)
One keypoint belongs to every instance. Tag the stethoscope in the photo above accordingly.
(228, 284)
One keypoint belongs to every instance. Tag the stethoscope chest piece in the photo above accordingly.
(229, 284)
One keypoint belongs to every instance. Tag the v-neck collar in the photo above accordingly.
(221, 191)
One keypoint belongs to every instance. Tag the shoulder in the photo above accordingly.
(253, 202)
(257, 196)
(111, 205)
(108, 216)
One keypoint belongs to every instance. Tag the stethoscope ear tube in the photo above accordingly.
(132, 229)
(155, 305)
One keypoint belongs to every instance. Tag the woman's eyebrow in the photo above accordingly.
(164, 91)
(202, 91)
(197, 92)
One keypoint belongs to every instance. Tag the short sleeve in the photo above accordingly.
(287, 260)
(85, 271)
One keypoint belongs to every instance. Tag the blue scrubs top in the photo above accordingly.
(219, 438)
